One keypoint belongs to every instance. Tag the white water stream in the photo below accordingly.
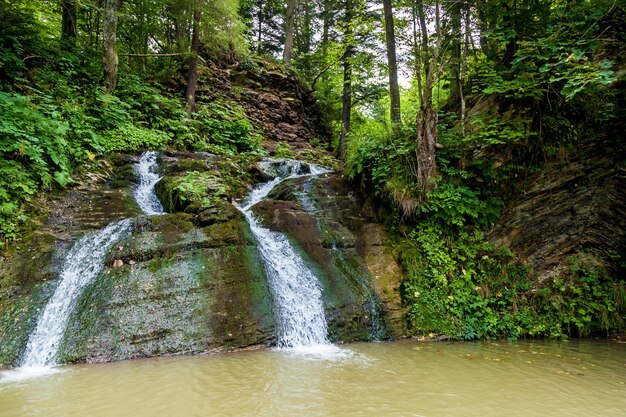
(82, 265)
(295, 288)
(144, 192)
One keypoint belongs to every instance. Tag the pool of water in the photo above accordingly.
(407, 378)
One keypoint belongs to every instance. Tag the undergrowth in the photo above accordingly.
(48, 132)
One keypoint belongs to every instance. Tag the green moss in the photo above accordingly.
(125, 177)
(23, 268)
(190, 296)
(18, 318)
(179, 222)
(186, 165)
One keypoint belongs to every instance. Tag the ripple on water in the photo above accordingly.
(27, 373)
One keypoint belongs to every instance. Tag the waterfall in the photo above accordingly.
(83, 263)
(295, 288)
(144, 191)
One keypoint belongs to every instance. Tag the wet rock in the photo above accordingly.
(222, 211)
(189, 291)
(573, 205)
(196, 283)
(337, 232)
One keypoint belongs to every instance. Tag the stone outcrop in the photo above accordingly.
(574, 205)
(280, 106)
(337, 230)
(192, 281)
(181, 289)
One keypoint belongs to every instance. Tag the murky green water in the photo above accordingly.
(377, 379)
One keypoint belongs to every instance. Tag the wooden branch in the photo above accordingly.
(140, 55)
(329, 66)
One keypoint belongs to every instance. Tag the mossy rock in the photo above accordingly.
(198, 290)
(185, 165)
(221, 211)
(22, 268)
(192, 192)
(126, 177)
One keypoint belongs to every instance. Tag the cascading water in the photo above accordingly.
(295, 288)
(82, 265)
(144, 192)
(372, 305)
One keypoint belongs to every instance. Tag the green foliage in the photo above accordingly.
(561, 61)
(487, 129)
(283, 150)
(462, 286)
(33, 154)
(128, 137)
(223, 129)
(458, 205)
(195, 188)
(367, 146)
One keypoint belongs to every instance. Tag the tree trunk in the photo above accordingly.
(346, 99)
(426, 120)
(426, 146)
(290, 18)
(509, 21)
(455, 9)
(346, 96)
(394, 90)
(424, 33)
(306, 36)
(109, 33)
(192, 79)
(68, 23)
(464, 58)
(416, 51)
(260, 27)
(325, 23)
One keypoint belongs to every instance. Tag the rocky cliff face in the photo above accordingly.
(280, 106)
(192, 281)
(571, 206)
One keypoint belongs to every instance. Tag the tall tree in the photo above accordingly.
(192, 78)
(455, 9)
(346, 96)
(290, 18)
(260, 5)
(109, 32)
(68, 22)
(394, 90)
(426, 119)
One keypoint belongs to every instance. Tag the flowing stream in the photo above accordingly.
(81, 266)
(295, 288)
(144, 192)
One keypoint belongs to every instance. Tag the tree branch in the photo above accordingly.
(152, 54)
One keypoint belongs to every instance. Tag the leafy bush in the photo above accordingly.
(129, 137)
(223, 129)
(33, 154)
(466, 288)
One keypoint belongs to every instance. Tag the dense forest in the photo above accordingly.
(441, 111)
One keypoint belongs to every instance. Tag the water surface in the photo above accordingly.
(370, 379)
